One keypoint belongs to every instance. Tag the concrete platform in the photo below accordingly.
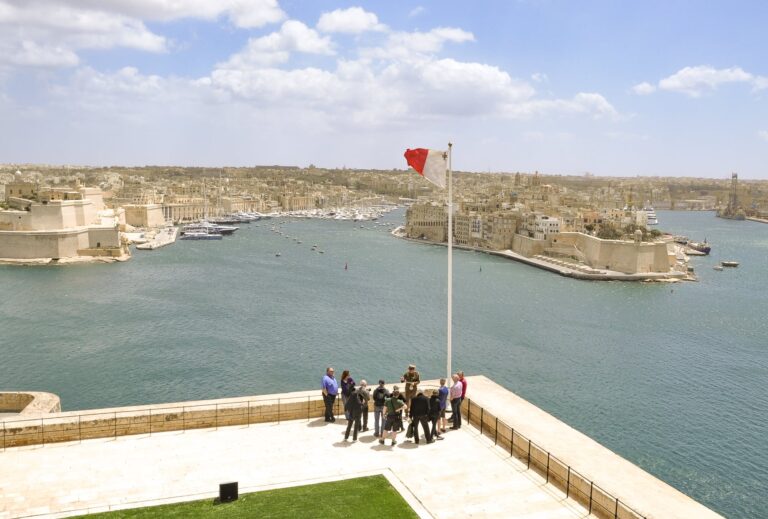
(464, 475)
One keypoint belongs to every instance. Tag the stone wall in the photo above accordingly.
(43, 244)
(628, 257)
(528, 246)
(108, 423)
(149, 215)
(29, 403)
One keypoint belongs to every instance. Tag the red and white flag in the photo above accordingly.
(430, 164)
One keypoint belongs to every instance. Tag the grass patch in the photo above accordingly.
(362, 498)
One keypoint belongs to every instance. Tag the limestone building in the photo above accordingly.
(44, 223)
(427, 221)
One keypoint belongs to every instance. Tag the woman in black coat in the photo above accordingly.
(354, 408)
(434, 413)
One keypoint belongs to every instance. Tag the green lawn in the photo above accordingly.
(370, 497)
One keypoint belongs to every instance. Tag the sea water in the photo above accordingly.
(674, 377)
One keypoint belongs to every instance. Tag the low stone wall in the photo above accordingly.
(28, 403)
(108, 423)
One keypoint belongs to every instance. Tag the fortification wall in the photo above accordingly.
(43, 244)
(628, 257)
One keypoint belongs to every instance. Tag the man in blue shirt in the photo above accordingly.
(330, 390)
(443, 398)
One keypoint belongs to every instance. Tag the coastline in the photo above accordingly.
(85, 260)
(581, 273)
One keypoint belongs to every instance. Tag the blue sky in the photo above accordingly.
(667, 88)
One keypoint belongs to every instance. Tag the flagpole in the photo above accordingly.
(450, 258)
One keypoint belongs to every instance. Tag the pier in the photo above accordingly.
(164, 237)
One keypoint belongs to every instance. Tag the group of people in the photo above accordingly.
(422, 407)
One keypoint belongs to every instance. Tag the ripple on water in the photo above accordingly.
(670, 377)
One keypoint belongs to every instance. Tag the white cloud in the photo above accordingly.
(763, 134)
(409, 79)
(29, 53)
(242, 13)
(539, 77)
(416, 11)
(583, 103)
(276, 48)
(353, 20)
(760, 83)
(694, 81)
(401, 81)
(644, 89)
(698, 80)
(48, 33)
(408, 45)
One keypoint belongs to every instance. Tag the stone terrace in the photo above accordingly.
(463, 476)
(146, 455)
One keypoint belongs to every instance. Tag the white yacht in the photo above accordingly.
(651, 216)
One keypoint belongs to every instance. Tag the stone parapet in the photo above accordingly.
(607, 484)
(29, 403)
(123, 421)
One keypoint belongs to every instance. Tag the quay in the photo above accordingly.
(510, 460)
(165, 236)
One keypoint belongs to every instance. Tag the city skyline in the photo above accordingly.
(662, 89)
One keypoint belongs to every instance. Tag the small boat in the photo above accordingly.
(700, 246)
(277, 255)
(718, 267)
(729, 263)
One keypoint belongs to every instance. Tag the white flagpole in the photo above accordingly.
(450, 258)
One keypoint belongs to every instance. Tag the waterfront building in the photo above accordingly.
(59, 223)
(427, 221)
(541, 226)
(146, 215)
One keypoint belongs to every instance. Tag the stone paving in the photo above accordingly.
(464, 475)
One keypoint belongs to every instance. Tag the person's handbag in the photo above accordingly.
(409, 432)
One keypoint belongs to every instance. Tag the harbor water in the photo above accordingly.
(674, 377)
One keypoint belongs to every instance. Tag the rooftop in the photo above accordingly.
(468, 474)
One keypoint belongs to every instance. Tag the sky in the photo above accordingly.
(652, 88)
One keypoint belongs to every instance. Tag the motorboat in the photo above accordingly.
(729, 263)
(651, 218)
(201, 235)
(700, 246)
(210, 227)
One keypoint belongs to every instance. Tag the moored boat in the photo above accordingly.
(700, 246)
(201, 235)
(651, 218)
(729, 263)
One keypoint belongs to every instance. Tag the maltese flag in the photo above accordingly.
(430, 164)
